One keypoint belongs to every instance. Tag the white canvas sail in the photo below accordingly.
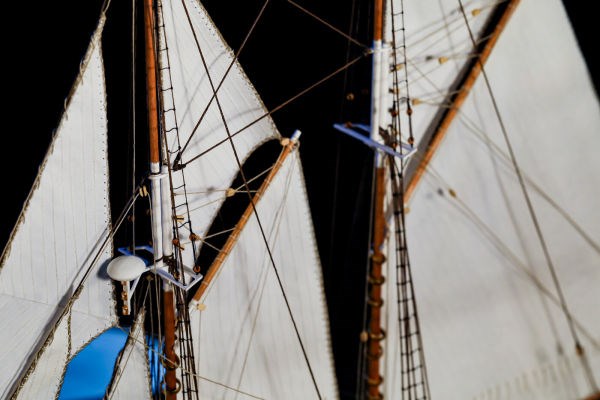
(245, 339)
(437, 48)
(58, 236)
(132, 376)
(196, 61)
(488, 329)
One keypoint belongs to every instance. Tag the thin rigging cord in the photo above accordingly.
(274, 233)
(481, 135)
(215, 92)
(121, 369)
(237, 55)
(262, 231)
(157, 287)
(161, 356)
(538, 230)
(327, 24)
(109, 232)
(336, 172)
(164, 63)
(405, 58)
(362, 348)
(152, 362)
(418, 382)
(472, 127)
(279, 107)
(133, 117)
(504, 249)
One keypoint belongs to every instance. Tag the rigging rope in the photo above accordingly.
(415, 387)
(504, 249)
(578, 346)
(362, 348)
(119, 370)
(471, 127)
(186, 349)
(258, 220)
(481, 135)
(237, 55)
(327, 24)
(161, 358)
(133, 117)
(215, 91)
(279, 220)
(487, 141)
(164, 62)
(44, 342)
(414, 379)
(269, 113)
(411, 138)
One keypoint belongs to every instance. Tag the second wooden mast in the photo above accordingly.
(376, 278)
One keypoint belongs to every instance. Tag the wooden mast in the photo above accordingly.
(376, 278)
(375, 301)
(171, 384)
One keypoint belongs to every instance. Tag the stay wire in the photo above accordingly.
(133, 117)
(43, 342)
(215, 91)
(327, 24)
(578, 345)
(504, 249)
(398, 171)
(121, 368)
(262, 231)
(336, 173)
(160, 356)
(279, 107)
(482, 136)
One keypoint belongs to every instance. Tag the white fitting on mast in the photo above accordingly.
(376, 93)
(166, 214)
(155, 198)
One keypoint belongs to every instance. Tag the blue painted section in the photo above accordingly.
(88, 374)
(157, 371)
(371, 143)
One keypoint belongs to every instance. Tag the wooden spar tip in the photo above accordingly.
(288, 145)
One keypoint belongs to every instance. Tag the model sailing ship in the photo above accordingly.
(506, 296)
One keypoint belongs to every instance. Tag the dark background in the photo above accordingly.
(288, 52)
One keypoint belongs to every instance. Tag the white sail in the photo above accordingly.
(132, 376)
(437, 48)
(488, 330)
(245, 339)
(197, 55)
(58, 237)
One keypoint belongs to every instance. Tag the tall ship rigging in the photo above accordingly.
(477, 137)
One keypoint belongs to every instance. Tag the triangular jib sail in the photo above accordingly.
(61, 236)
